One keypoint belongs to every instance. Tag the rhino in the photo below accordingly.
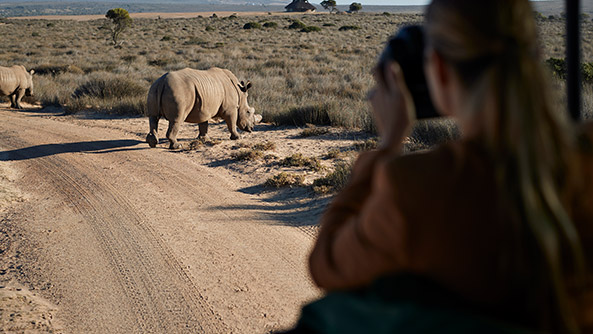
(196, 96)
(16, 82)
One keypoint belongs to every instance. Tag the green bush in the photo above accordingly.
(210, 28)
(166, 38)
(270, 25)
(559, 69)
(252, 25)
(296, 24)
(329, 24)
(310, 29)
(345, 28)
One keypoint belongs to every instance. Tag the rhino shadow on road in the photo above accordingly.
(99, 146)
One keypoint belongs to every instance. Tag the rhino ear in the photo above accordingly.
(248, 85)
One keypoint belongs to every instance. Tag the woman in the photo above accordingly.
(502, 217)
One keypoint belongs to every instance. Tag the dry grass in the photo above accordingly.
(335, 180)
(299, 160)
(313, 131)
(319, 77)
(247, 155)
(284, 179)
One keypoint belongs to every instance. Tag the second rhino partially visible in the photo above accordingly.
(16, 82)
(196, 96)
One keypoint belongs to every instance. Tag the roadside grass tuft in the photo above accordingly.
(299, 160)
(247, 155)
(313, 132)
(334, 181)
(366, 145)
(265, 146)
(284, 179)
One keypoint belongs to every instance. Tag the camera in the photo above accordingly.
(407, 48)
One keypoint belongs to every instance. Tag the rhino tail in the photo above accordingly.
(154, 111)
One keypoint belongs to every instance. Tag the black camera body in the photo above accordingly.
(407, 48)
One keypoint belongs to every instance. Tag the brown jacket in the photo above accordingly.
(436, 214)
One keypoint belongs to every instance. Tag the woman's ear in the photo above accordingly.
(438, 75)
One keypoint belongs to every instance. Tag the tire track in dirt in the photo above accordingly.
(186, 253)
(161, 293)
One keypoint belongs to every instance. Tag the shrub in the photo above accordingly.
(355, 7)
(270, 24)
(166, 38)
(209, 28)
(313, 131)
(252, 25)
(266, 146)
(299, 116)
(310, 29)
(284, 179)
(298, 160)
(128, 58)
(106, 87)
(335, 180)
(296, 24)
(329, 24)
(193, 40)
(366, 145)
(559, 69)
(35, 34)
(345, 28)
(159, 62)
(246, 154)
(46, 69)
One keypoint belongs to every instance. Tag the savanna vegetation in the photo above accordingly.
(306, 69)
(319, 77)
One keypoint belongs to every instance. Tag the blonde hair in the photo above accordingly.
(492, 46)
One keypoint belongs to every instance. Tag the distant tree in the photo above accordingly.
(355, 7)
(120, 19)
(329, 5)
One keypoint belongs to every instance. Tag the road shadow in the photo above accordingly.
(99, 146)
(292, 207)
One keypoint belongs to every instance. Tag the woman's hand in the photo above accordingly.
(393, 107)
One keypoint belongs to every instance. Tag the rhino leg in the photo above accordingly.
(203, 130)
(172, 135)
(153, 136)
(19, 95)
(231, 123)
(12, 103)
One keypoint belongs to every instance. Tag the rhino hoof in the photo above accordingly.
(151, 140)
(174, 146)
(235, 137)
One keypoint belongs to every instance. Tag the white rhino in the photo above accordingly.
(16, 82)
(196, 96)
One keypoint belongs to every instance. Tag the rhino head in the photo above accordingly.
(29, 90)
(247, 118)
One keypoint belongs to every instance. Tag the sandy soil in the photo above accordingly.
(104, 235)
(159, 15)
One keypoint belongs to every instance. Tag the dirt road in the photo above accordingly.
(126, 239)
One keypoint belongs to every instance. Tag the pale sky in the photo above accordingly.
(389, 2)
